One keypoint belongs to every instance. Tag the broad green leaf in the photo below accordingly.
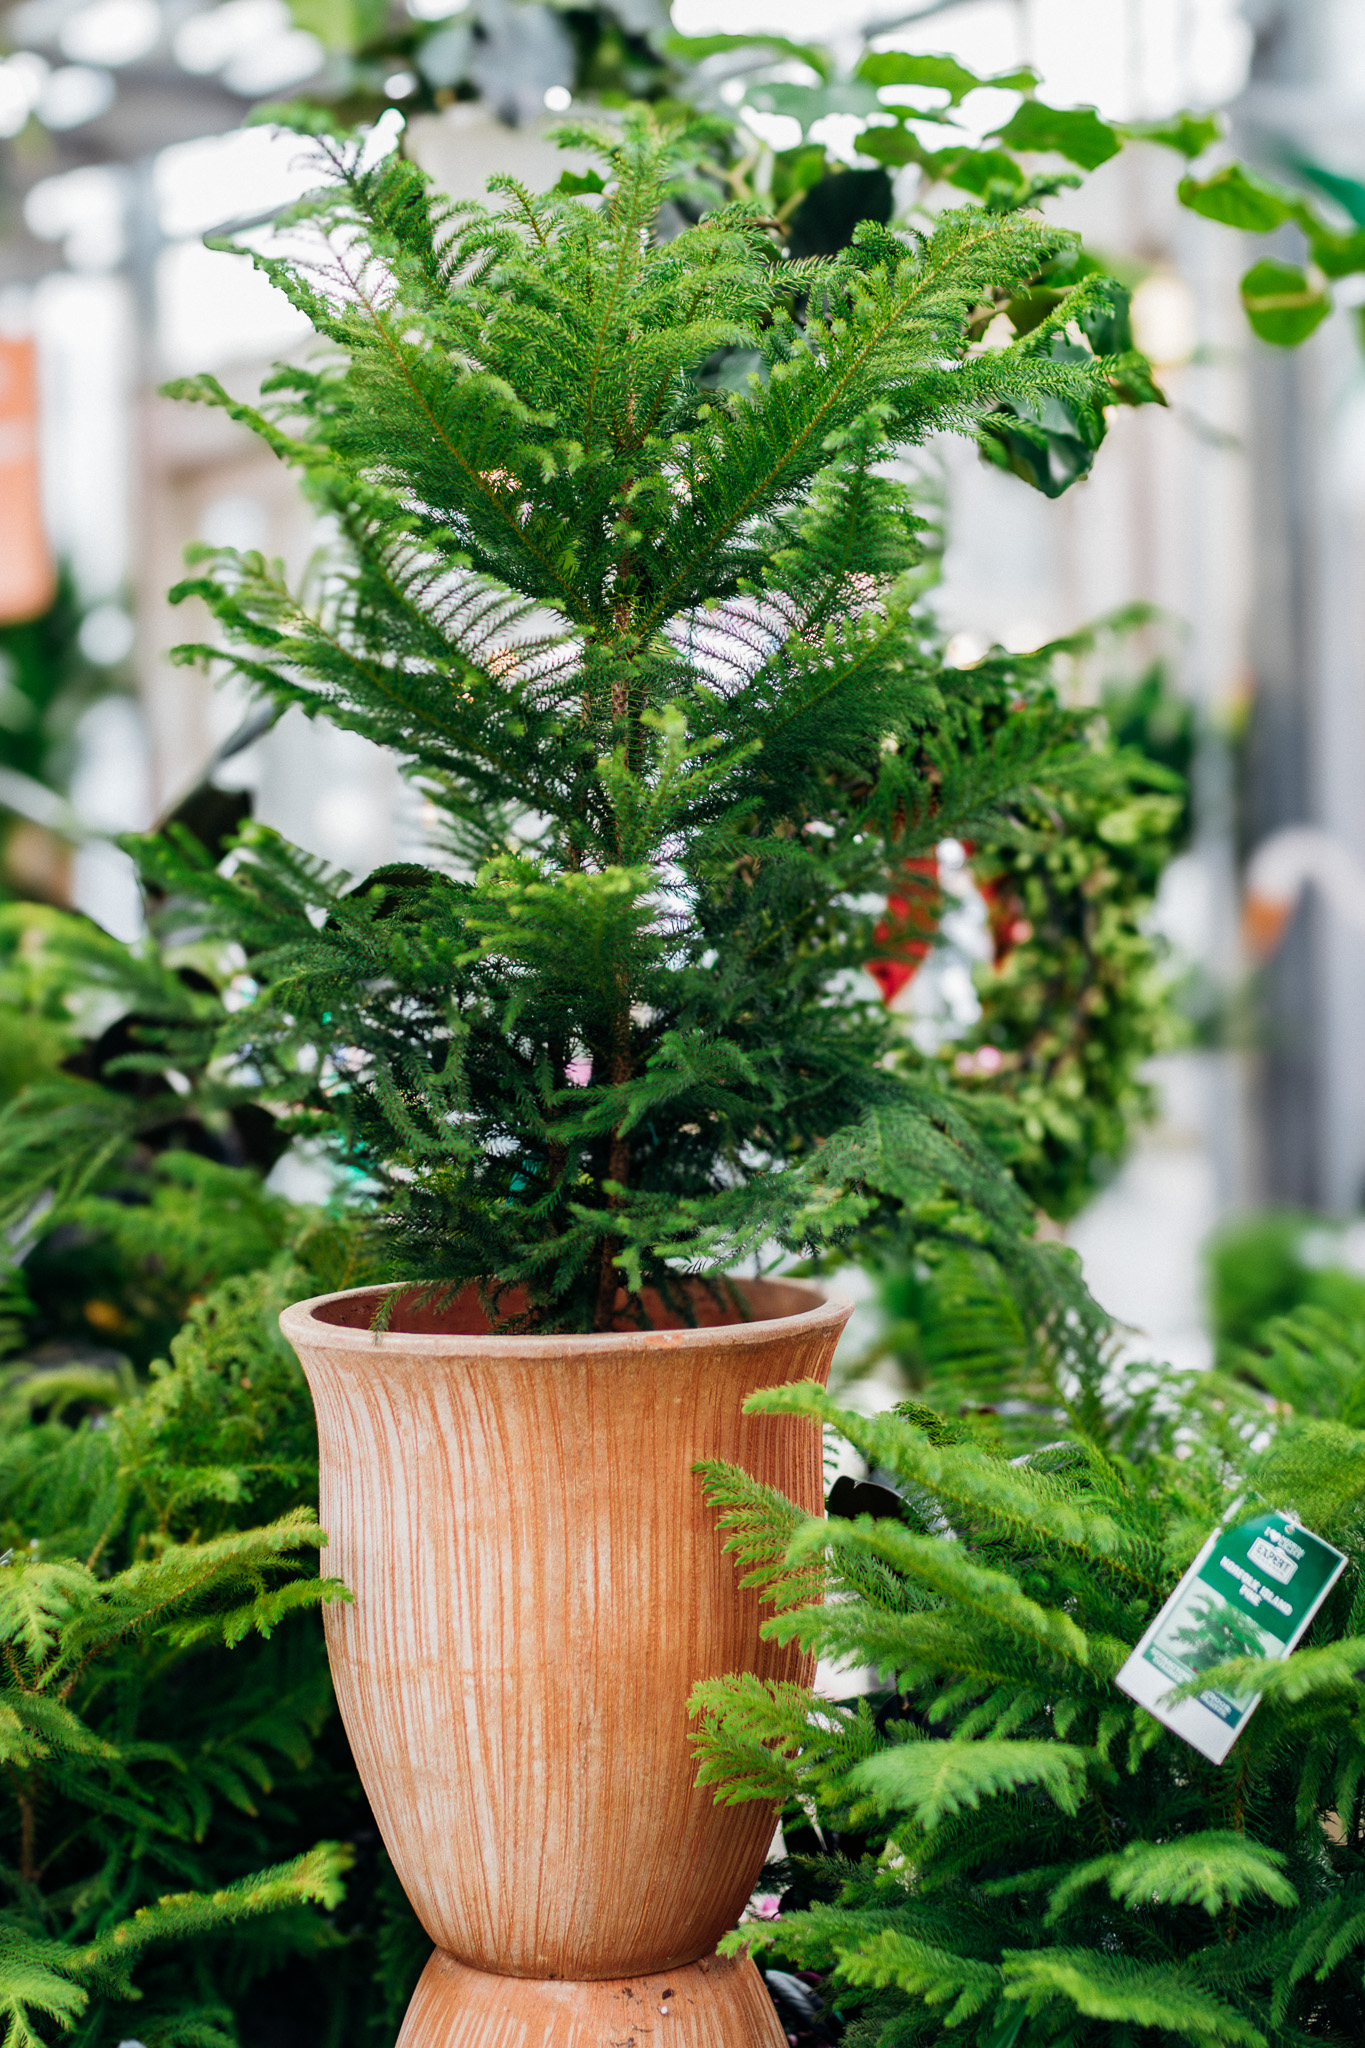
(1077, 133)
(809, 103)
(573, 183)
(1240, 198)
(892, 146)
(696, 49)
(978, 170)
(900, 67)
(1191, 134)
(1282, 302)
(344, 25)
(1349, 193)
(1337, 255)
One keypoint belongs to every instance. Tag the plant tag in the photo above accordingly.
(1251, 1592)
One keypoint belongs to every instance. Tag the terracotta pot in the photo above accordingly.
(719, 2002)
(538, 1586)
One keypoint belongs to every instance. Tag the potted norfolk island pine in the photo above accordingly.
(647, 636)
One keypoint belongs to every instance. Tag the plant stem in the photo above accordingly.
(618, 1159)
(28, 1829)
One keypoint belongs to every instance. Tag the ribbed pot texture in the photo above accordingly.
(538, 1585)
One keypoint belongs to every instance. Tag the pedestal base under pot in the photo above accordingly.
(719, 2002)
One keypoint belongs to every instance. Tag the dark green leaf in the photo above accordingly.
(1282, 303)
(1191, 134)
(1338, 255)
(981, 171)
(825, 220)
(945, 74)
(1077, 133)
(695, 49)
(891, 145)
(1240, 198)
(343, 25)
(808, 103)
(1349, 193)
(573, 183)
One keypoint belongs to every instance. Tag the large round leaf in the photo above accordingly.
(1240, 198)
(1283, 303)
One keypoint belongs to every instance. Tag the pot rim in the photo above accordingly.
(301, 1324)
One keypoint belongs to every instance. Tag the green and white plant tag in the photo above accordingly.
(1251, 1592)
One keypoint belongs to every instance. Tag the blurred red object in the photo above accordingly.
(909, 928)
(28, 576)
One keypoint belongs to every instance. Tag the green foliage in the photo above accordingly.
(1074, 1000)
(1289, 1323)
(46, 684)
(696, 49)
(951, 1321)
(1310, 1362)
(1151, 717)
(504, 54)
(944, 74)
(116, 1779)
(1240, 198)
(340, 25)
(125, 1263)
(123, 1038)
(1282, 303)
(1075, 997)
(1189, 134)
(1013, 1851)
(37, 1030)
(1077, 133)
(168, 1724)
(654, 650)
(129, 1166)
(616, 56)
(1265, 1265)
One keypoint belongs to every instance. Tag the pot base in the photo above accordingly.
(719, 2002)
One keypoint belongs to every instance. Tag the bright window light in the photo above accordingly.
(382, 139)
(274, 64)
(111, 32)
(22, 78)
(208, 41)
(779, 131)
(214, 309)
(201, 185)
(75, 94)
(106, 635)
(84, 210)
(1165, 319)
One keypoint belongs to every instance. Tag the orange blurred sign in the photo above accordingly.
(28, 579)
